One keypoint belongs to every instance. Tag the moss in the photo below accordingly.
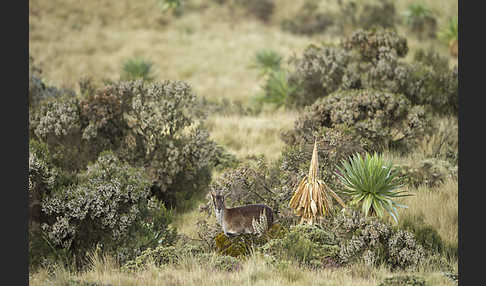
(243, 245)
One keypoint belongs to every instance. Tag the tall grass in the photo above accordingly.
(437, 206)
(253, 271)
(252, 135)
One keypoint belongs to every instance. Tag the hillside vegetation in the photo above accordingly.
(138, 109)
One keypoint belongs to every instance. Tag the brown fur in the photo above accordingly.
(238, 220)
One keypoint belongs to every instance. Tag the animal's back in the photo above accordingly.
(250, 212)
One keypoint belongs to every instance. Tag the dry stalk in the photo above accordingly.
(313, 198)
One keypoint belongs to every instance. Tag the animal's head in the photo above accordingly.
(218, 202)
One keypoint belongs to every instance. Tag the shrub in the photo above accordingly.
(151, 125)
(139, 68)
(371, 44)
(317, 73)
(435, 89)
(405, 280)
(370, 59)
(308, 20)
(111, 206)
(261, 9)
(375, 242)
(430, 172)
(254, 182)
(308, 245)
(57, 123)
(428, 237)
(43, 176)
(382, 118)
(381, 14)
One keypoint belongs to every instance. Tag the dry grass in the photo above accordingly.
(438, 206)
(252, 135)
(254, 271)
(211, 49)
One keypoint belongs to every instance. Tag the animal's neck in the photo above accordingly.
(220, 215)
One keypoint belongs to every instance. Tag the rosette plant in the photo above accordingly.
(372, 183)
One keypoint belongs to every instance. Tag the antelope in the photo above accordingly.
(243, 219)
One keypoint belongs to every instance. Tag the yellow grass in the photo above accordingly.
(254, 271)
(252, 135)
(438, 206)
(211, 49)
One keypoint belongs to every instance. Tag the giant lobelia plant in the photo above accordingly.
(313, 198)
(373, 183)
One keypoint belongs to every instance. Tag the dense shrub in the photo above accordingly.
(366, 14)
(375, 242)
(261, 9)
(381, 14)
(151, 125)
(175, 255)
(245, 244)
(428, 237)
(381, 118)
(43, 176)
(370, 44)
(371, 59)
(110, 206)
(308, 20)
(430, 172)
(403, 280)
(427, 81)
(317, 73)
(308, 245)
(253, 182)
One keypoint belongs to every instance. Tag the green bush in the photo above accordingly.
(370, 59)
(43, 178)
(384, 119)
(308, 20)
(110, 206)
(375, 242)
(430, 172)
(317, 73)
(156, 126)
(428, 237)
(380, 13)
(308, 245)
(260, 9)
(403, 280)
(370, 44)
